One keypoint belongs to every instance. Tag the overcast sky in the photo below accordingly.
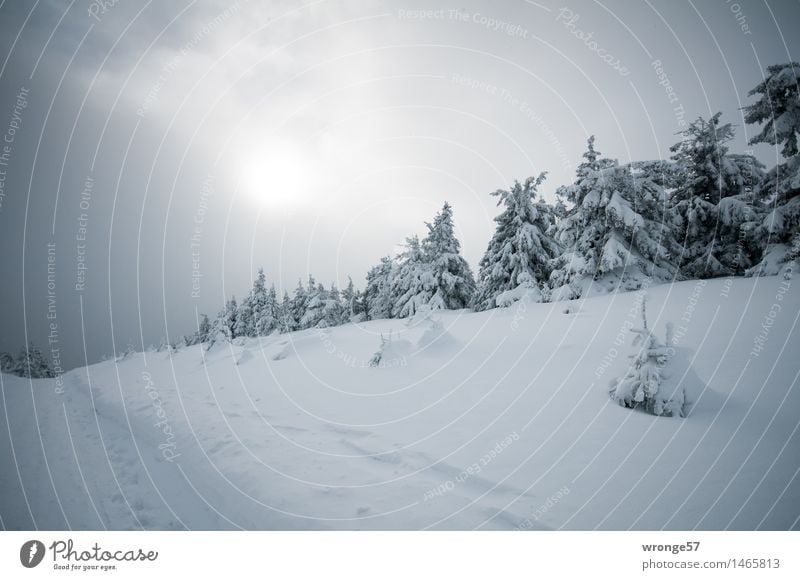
(158, 153)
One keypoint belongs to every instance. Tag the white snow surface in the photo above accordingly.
(482, 431)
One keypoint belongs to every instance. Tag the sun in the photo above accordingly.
(275, 177)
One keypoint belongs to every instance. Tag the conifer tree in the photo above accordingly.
(645, 383)
(449, 278)
(334, 313)
(299, 303)
(226, 321)
(259, 303)
(778, 108)
(245, 325)
(31, 364)
(203, 330)
(713, 203)
(349, 299)
(616, 236)
(315, 309)
(412, 282)
(286, 321)
(268, 318)
(377, 294)
(517, 262)
(7, 363)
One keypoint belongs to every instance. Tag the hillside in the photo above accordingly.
(498, 420)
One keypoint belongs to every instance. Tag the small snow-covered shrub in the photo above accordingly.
(379, 354)
(392, 353)
(648, 384)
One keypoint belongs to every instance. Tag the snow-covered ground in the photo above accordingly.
(499, 421)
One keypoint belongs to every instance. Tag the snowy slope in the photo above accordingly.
(501, 421)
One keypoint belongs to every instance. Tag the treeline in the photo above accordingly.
(703, 213)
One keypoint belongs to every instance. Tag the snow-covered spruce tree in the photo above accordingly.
(286, 322)
(713, 203)
(262, 317)
(31, 364)
(224, 325)
(219, 331)
(231, 320)
(452, 285)
(334, 313)
(778, 107)
(593, 161)
(378, 292)
(517, 261)
(267, 319)
(203, 330)
(245, 325)
(7, 363)
(299, 303)
(317, 304)
(663, 172)
(378, 356)
(616, 236)
(324, 308)
(349, 300)
(412, 281)
(645, 383)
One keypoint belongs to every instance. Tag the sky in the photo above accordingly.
(154, 155)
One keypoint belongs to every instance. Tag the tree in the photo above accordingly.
(299, 303)
(617, 235)
(778, 107)
(222, 329)
(316, 307)
(517, 260)
(203, 330)
(227, 319)
(411, 281)
(450, 281)
(663, 172)
(324, 307)
(593, 161)
(701, 154)
(245, 325)
(286, 322)
(334, 313)
(377, 294)
(350, 298)
(31, 364)
(267, 320)
(262, 310)
(7, 363)
(646, 384)
(713, 202)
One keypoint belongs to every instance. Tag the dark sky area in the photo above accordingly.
(155, 154)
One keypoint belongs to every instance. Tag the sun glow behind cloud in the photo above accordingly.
(276, 176)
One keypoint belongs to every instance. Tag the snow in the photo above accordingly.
(621, 209)
(523, 291)
(774, 261)
(484, 418)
